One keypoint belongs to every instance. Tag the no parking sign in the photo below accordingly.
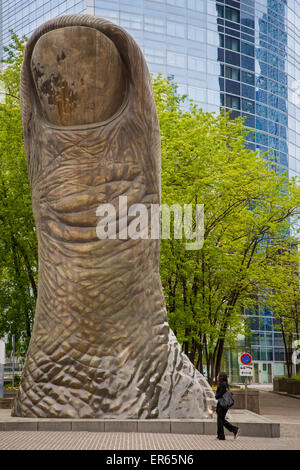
(246, 359)
(246, 368)
(2, 362)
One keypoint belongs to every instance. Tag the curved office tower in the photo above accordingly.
(242, 55)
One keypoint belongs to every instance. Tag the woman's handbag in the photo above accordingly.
(227, 399)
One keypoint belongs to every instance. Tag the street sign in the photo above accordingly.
(246, 359)
(2, 352)
(246, 370)
(2, 362)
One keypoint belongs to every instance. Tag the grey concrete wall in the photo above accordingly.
(252, 400)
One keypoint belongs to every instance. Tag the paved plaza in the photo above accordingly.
(285, 410)
(42, 440)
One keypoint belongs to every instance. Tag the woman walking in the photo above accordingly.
(223, 387)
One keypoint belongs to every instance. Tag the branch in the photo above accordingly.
(9, 94)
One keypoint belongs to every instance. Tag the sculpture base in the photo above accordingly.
(250, 424)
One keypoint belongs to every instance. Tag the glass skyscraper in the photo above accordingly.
(241, 55)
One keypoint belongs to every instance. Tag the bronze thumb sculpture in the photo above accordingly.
(101, 346)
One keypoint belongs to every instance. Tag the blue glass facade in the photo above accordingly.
(241, 55)
(254, 44)
(24, 16)
(179, 39)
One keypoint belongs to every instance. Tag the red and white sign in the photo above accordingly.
(246, 359)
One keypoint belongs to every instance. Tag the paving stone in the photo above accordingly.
(153, 426)
(181, 427)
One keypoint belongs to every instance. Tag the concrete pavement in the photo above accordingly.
(280, 408)
(285, 410)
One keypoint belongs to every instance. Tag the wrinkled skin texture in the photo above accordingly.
(101, 346)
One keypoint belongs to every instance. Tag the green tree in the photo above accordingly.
(247, 203)
(18, 243)
(282, 287)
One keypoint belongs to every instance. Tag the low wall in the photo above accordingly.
(252, 400)
(9, 394)
(293, 387)
(290, 386)
(6, 403)
(279, 384)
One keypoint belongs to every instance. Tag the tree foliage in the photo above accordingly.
(282, 296)
(18, 244)
(248, 204)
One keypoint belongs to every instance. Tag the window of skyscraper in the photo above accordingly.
(248, 77)
(233, 87)
(131, 21)
(232, 102)
(247, 49)
(153, 24)
(279, 354)
(248, 106)
(247, 20)
(232, 72)
(178, 3)
(250, 120)
(262, 124)
(197, 94)
(220, 10)
(232, 43)
(232, 15)
(232, 58)
(262, 139)
(196, 63)
(247, 62)
(248, 91)
(196, 34)
(255, 352)
(176, 29)
(175, 59)
(247, 37)
(197, 5)
(273, 128)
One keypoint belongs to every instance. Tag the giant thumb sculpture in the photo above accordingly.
(101, 346)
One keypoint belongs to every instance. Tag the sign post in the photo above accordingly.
(2, 362)
(246, 370)
(13, 360)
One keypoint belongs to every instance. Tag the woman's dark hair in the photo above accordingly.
(223, 378)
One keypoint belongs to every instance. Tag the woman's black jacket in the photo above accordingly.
(220, 392)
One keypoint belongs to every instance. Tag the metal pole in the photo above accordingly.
(246, 393)
(13, 360)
